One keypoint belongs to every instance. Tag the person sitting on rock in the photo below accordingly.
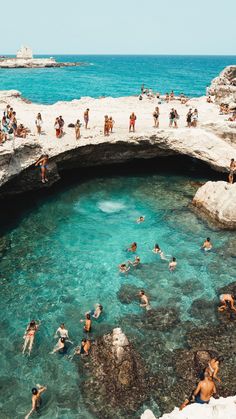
(227, 301)
(144, 302)
(205, 390)
(213, 367)
(124, 268)
(207, 245)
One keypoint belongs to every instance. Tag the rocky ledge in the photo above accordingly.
(217, 200)
(223, 88)
(35, 63)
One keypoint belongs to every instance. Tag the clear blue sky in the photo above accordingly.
(119, 27)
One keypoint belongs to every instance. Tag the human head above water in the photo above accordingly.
(34, 391)
(208, 239)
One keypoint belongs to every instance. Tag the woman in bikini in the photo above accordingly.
(39, 123)
(29, 336)
(77, 130)
(43, 162)
(132, 120)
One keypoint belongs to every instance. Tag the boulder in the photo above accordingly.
(217, 201)
(128, 293)
(223, 88)
(118, 380)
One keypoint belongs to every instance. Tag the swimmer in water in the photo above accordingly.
(144, 302)
(62, 332)
(140, 219)
(227, 300)
(133, 247)
(123, 268)
(36, 399)
(172, 264)
(88, 323)
(97, 312)
(207, 245)
(158, 251)
(83, 349)
(136, 261)
(60, 346)
(29, 336)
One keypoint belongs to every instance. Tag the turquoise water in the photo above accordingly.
(62, 258)
(115, 76)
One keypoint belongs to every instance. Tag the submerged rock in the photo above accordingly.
(120, 381)
(128, 293)
(217, 200)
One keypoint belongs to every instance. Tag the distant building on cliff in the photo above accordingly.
(25, 52)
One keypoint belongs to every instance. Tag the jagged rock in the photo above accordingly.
(224, 86)
(217, 200)
(228, 289)
(128, 293)
(120, 382)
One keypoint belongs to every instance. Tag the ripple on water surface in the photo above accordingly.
(62, 259)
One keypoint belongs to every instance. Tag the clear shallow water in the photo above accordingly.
(62, 259)
(115, 76)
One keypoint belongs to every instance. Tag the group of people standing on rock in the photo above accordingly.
(62, 346)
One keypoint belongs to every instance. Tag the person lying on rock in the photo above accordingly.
(205, 390)
(213, 367)
(207, 245)
(227, 301)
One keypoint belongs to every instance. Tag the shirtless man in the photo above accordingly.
(144, 302)
(213, 367)
(123, 268)
(136, 261)
(140, 219)
(232, 169)
(88, 323)
(43, 162)
(205, 389)
(82, 350)
(227, 300)
(86, 118)
(36, 399)
(29, 336)
(207, 245)
(133, 247)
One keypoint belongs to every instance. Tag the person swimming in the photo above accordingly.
(123, 268)
(140, 219)
(36, 399)
(60, 346)
(136, 261)
(83, 349)
(133, 247)
(157, 250)
(172, 264)
(88, 323)
(29, 336)
(144, 301)
(207, 245)
(62, 332)
(96, 312)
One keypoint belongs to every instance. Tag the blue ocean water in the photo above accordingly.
(115, 76)
(63, 257)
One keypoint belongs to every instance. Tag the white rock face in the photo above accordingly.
(224, 87)
(223, 408)
(25, 53)
(218, 201)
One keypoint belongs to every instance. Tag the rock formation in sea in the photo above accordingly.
(217, 200)
(223, 87)
(117, 379)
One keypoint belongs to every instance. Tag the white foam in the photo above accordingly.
(110, 206)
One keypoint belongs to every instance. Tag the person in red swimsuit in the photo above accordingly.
(132, 120)
(29, 336)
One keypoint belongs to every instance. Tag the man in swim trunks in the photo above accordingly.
(36, 399)
(232, 169)
(132, 120)
(43, 163)
(205, 390)
(228, 301)
(207, 245)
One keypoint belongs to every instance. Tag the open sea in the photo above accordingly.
(118, 75)
(61, 256)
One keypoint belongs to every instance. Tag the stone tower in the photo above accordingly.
(25, 53)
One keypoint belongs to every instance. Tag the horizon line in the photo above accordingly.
(134, 55)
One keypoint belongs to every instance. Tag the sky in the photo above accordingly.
(120, 27)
